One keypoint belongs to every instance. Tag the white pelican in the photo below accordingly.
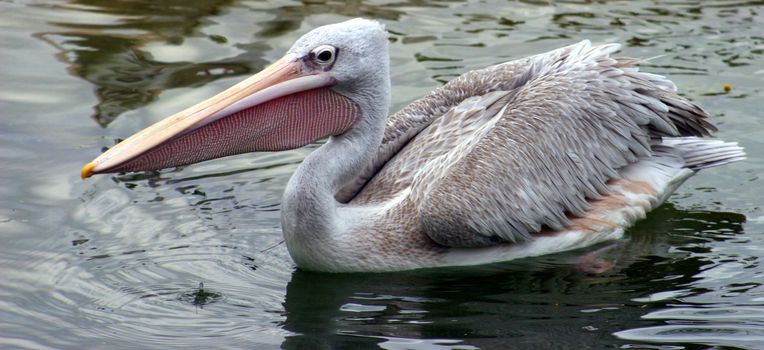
(533, 156)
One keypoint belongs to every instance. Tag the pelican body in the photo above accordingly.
(534, 156)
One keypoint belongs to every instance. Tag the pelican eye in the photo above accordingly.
(324, 55)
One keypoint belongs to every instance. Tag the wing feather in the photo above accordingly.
(501, 153)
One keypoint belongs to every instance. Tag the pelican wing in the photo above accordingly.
(404, 125)
(501, 153)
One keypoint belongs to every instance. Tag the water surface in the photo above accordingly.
(193, 257)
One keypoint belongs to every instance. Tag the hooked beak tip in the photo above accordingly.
(87, 170)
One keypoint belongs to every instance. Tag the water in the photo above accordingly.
(193, 257)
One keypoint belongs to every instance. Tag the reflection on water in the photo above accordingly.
(546, 303)
(193, 257)
(111, 54)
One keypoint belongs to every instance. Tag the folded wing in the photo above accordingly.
(503, 152)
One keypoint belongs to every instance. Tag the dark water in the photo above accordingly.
(117, 261)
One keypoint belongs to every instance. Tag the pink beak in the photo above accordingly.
(282, 107)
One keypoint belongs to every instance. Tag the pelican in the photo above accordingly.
(543, 154)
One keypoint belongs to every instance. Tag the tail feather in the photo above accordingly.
(700, 153)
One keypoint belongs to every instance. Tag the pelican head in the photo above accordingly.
(331, 79)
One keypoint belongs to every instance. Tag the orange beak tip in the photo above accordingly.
(87, 170)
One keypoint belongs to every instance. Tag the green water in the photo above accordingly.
(117, 261)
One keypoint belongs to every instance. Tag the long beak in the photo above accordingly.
(257, 114)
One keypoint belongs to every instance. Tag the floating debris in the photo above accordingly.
(200, 296)
(727, 87)
(79, 241)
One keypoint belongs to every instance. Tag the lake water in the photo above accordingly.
(117, 261)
